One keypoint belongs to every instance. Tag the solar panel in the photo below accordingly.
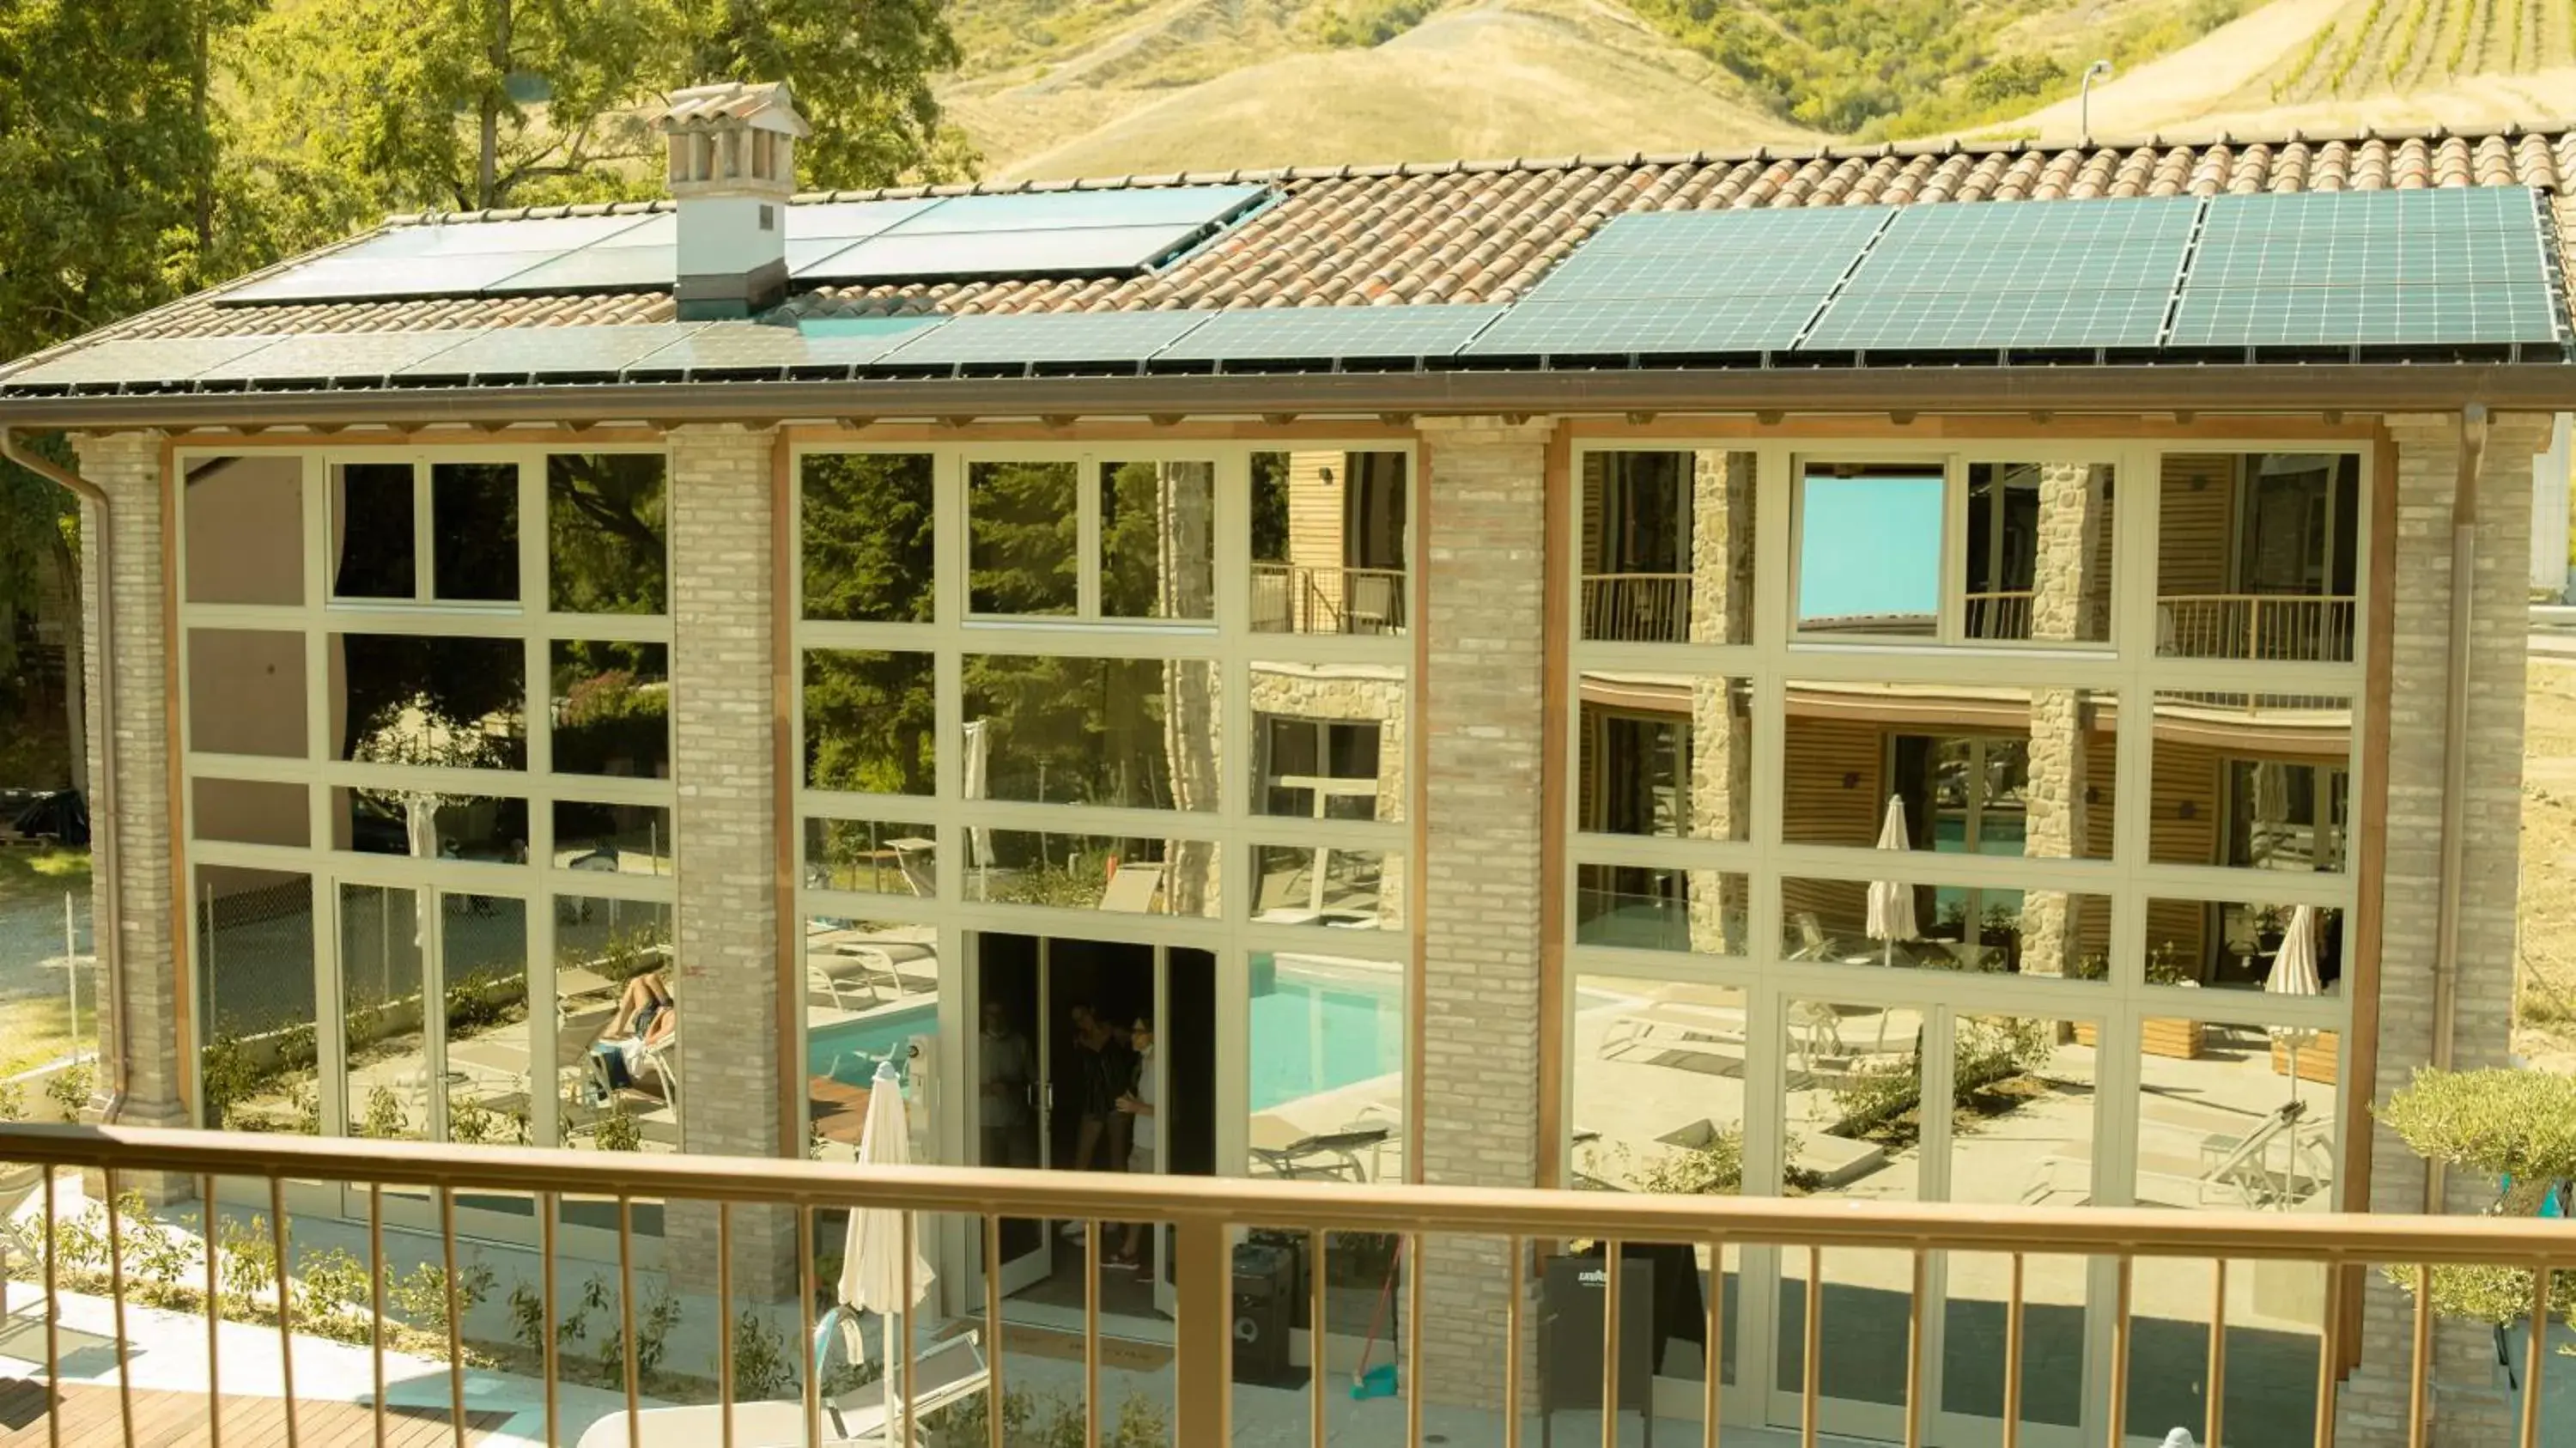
(738, 347)
(137, 360)
(850, 220)
(2077, 317)
(2451, 209)
(1762, 323)
(331, 356)
(547, 234)
(552, 351)
(2364, 258)
(1331, 333)
(2144, 221)
(1638, 275)
(1078, 252)
(448, 259)
(2484, 314)
(1072, 210)
(1039, 338)
(1892, 268)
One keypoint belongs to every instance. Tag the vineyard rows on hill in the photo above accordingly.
(2380, 46)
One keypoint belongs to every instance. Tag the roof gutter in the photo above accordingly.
(106, 929)
(2237, 389)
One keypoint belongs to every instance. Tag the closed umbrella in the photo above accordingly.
(1891, 902)
(872, 1266)
(979, 841)
(2294, 973)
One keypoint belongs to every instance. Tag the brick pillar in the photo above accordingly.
(128, 466)
(2469, 1409)
(1481, 705)
(2072, 513)
(726, 931)
(1721, 748)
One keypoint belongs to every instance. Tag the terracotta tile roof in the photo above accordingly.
(1486, 231)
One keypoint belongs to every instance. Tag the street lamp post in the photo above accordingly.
(2084, 97)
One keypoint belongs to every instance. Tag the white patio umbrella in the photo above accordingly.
(420, 834)
(2294, 973)
(1891, 902)
(979, 751)
(872, 1276)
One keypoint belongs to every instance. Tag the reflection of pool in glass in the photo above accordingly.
(1321, 1028)
(874, 1035)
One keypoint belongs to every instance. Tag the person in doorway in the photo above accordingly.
(1096, 1098)
(1008, 1138)
(1136, 1106)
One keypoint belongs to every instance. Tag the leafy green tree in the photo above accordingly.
(861, 70)
(2515, 1128)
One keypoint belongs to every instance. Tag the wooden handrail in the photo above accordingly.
(2336, 1238)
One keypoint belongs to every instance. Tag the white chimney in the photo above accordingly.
(733, 166)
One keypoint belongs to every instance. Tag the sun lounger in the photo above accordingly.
(1133, 889)
(1331, 1155)
(947, 1374)
(1678, 1028)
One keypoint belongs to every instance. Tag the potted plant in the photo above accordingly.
(2160, 1036)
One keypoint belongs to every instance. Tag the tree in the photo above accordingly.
(2517, 1128)
(861, 70)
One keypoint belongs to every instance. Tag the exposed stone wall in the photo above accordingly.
(1721, 750)
(2469, 1409)
(128, 466)
(2058, 819)
(1484, 551)
(725, 953)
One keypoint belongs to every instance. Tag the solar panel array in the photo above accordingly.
(1689, 282)
(1037, 233)
(2421, 272)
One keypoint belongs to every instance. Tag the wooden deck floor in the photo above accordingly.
(90, 1416)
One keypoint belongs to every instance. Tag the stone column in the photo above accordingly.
(2063, 604)
(1484, 541)
(128, 466)
(1721, 748)
(2469, 1409)
(725, 936)
(1184, 499)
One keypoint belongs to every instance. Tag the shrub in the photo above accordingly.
(13, 1101)
(2518, 1127)
(337, 1286)
(619, 1131)
(69, 1089)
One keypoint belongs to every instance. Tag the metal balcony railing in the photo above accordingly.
(1637, 608)
(1302, 598)
(2266, 627)
(1203, 1213)
(2004, 615)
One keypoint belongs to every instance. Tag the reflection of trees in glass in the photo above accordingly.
(474, 522)
(604, 530)
(1270, 507)
(612, 708)
(869, 721)
(427, 699)
(1023, 523)
(1156, 536)
(1093, 731)
(867, 537)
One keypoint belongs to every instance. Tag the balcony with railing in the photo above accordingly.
(124, 1320)
(1637, 608)
(2001, 615)
(2257, 627)
(1305, 599)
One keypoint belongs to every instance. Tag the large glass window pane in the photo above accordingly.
(1954, 768)
(429, 699)
(2253, 781)
(872, 857)
(486, 829)
(2024, 1101)
(1979, 929)
(1659, 1071)
(1664, 754)
(246, 692)
(872, 994)
(249, 812)
(1329, 542)
(1668, 547)
(483, 974)
(1320, 885)
(2225, 1125)
(870, 721)
(615, 839)
(256, 1000)
(1023, 529)
(245, 530)
(1869, 548)
(1327, 1067)
(2257, 556)
(1092, 872)
(604, 945)
(867, 537)
(1158, 540)
(384, 939)
(474, 525)
(374, 532)
(605, 533)
(1140, 733)
(1645, 907)
(612, 709)
(1328, 741)
(1853, 1107)
(2038, 552)
(2245, 945)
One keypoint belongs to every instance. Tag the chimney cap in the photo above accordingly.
(764, 106)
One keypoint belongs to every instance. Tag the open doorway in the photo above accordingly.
(1092, 1055)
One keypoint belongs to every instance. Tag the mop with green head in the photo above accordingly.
(1379, 1381)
